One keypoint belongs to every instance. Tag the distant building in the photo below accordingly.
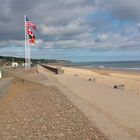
(23, 64)
(14, 64)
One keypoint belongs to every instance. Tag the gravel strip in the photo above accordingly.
(32, 111)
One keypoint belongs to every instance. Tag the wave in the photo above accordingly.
(116, 68)
(120, 65)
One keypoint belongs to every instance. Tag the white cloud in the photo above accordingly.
(74, 27)
(64, 23)
(102, 37)
(12, 42)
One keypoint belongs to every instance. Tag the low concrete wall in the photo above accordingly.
(41, 69)
(53, 69)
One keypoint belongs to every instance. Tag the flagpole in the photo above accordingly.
(27, 49)
(25, 42)
(29, 56)
(29, 37)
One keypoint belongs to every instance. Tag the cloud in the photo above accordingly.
(76, 27)
(101, 37)
(9, 42)
(45, 13)
(96, 25)
(123, 9)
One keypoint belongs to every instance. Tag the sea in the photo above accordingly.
(118, 65)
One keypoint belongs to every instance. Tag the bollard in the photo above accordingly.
(92, 79)
(119, 86)
(0, 74)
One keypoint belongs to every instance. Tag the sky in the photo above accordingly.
(76, 30)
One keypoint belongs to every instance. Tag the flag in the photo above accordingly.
(32, 37)
(30, 24)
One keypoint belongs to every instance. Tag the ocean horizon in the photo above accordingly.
(121, 65)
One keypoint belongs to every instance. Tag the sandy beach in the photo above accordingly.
(100, 111)
(116, 110)
(109, 78)
(70, 70)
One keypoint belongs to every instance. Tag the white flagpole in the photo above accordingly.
(29, 56)
(25, 43)
(27, 49)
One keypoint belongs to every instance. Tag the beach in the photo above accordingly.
(116, 110)
(70, 70)
(109, 78)
(100, 110)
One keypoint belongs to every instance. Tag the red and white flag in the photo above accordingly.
(32, 37)
(30, 24)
